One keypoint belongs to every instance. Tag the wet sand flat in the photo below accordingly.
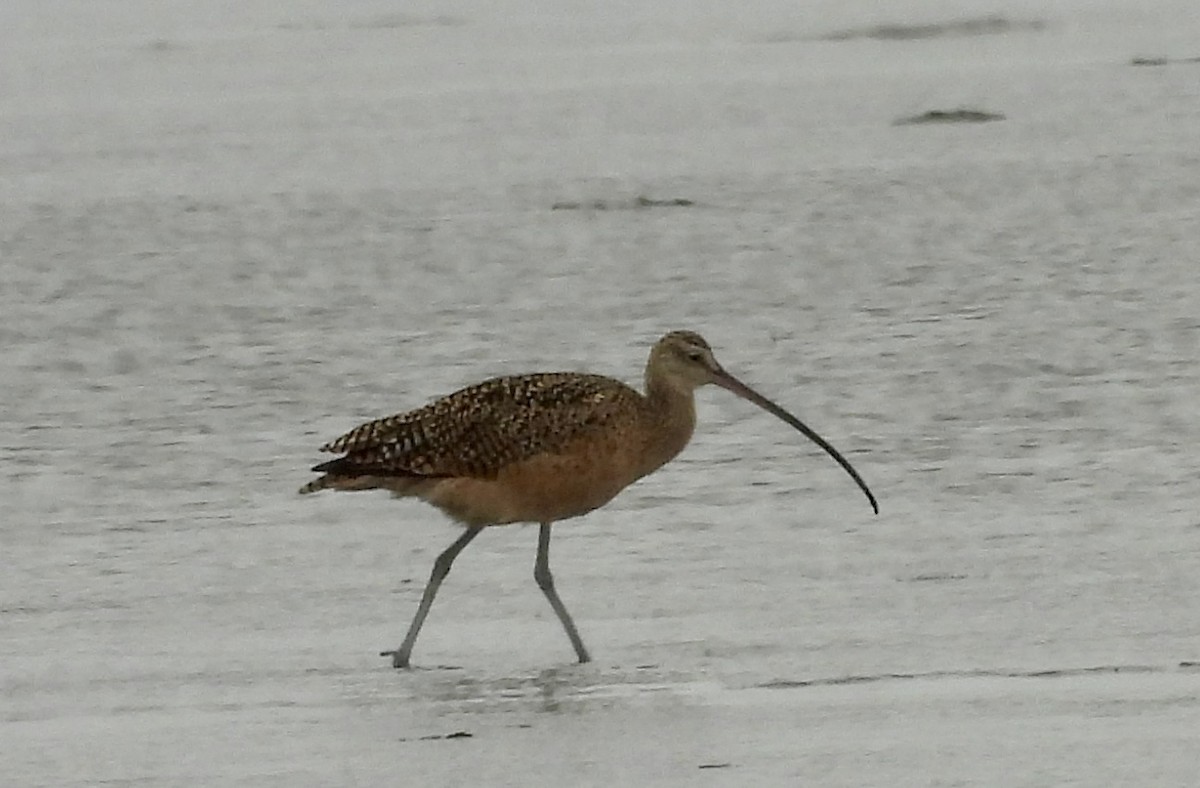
(228, 235)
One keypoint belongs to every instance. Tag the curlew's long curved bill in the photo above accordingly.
(730, 383)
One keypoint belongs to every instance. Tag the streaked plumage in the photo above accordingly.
(479, 430)
(536, 448)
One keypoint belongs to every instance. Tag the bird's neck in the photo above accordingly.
(670, 413)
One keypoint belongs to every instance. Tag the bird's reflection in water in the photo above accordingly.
(558, 690)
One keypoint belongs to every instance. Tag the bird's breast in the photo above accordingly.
(665, 434)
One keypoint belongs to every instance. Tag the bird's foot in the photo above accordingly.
(398, 660)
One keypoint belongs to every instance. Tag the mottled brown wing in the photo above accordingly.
(480, 429)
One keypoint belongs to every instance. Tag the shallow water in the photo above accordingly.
(227, 239)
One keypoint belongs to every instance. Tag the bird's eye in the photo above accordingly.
(695, 355)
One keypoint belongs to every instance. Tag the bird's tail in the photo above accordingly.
(400, 486)
(334, 476)
(332, 481)
(316, 485)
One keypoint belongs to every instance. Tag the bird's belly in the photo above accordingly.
(541, 489)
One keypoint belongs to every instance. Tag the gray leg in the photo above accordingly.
(545, 581)
(441, 568)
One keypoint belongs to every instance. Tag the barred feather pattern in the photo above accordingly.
(478, 430)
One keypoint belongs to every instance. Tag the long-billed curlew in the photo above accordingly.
(537, 448)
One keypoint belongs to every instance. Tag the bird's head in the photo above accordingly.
(683, 361)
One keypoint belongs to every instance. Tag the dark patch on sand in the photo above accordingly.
(974, 26)
(163, 45)
(637, 203)
(967, 674)
(960, 115)
(1162, 61)
(935, 577)
(440, 736)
